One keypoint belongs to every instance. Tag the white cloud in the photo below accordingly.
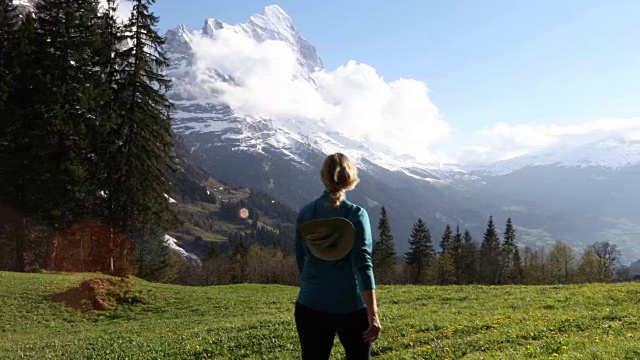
(124, 8)
(505, 141)
(353, 99)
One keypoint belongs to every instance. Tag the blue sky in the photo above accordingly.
(535, 63)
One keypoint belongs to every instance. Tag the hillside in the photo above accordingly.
(256, 321)
(210, 210)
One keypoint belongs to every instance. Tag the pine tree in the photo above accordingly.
(144, 129)
(107, 134)
(511, 269)
(490, 256)
(384, 253)
(445, 241)
(517, 275)
(239, 259)
(421, 252)
(19, 150)
(469, 259)
(456, 251)
(16, 41)
(66, 39)
(8, 33)
(446, 268)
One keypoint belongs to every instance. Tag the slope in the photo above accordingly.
(210, 211)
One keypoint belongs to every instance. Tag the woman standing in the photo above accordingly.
(337, 286)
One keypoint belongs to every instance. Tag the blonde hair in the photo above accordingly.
(339, 175)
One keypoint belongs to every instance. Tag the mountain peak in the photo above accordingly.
(277, 13)
(211, 26)
(274, 24)
(275, 21)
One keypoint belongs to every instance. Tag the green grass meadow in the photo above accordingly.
(599, 321)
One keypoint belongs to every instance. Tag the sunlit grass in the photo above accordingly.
(256, 321)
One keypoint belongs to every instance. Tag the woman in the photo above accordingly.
(333, 252)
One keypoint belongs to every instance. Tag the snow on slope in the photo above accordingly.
(199, 109)
(609, 153)
(173, 244)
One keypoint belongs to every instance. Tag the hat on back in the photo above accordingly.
(328, 239)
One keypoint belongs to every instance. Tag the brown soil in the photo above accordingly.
(94, 294)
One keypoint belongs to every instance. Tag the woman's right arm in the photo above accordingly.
(300, 254)
(374, 329)
(363, 267)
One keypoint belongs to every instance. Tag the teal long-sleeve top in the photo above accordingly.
(335, 286)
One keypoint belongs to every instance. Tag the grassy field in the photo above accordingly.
(256, 322)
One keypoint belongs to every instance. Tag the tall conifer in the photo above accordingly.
(140, 194)
(469, 259)
(421, 252)
(490, 256)
(384, 253)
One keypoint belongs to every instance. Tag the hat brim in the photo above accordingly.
(328, 239)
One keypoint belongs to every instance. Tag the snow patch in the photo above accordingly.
(173, 244)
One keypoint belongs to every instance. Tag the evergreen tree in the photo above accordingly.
(12, 165)
(456, 250)
(446, 268)
(66, 43)
(511, 269)
(490, 256)
(151, 254)
(239, 259)
(144, 130)
(17, 129)
(445, 241)
(469, 259)
(421, 252)
(8, 33)
(517, 275)
(107, 133)
(384, 253)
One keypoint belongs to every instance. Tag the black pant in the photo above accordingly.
(317, 329)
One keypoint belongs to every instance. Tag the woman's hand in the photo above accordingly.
(373, 332)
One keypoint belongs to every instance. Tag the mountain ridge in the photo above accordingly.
(281, 156)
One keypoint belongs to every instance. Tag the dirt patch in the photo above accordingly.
(96, 294)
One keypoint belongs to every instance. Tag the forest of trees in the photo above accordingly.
(459, 260)
(495, 260)
(85, 138)
(86, 157)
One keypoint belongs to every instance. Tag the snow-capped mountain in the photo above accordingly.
(282, 154)
(609, 153)
(245, 144)
(199, 110)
